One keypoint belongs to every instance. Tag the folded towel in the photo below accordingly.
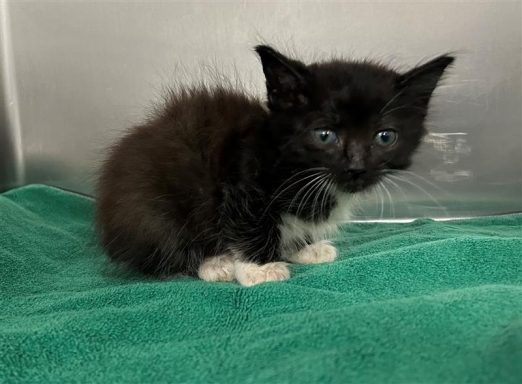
(423, 302)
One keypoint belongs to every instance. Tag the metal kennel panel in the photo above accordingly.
(74, 75)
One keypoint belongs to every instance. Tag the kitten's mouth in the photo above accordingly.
(355, 188)
(354, 184)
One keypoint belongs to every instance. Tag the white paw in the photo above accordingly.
(320, 252)
(248, 274)
(217, 268)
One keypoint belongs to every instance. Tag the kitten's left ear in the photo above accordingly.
(286, 79)
(420, 82)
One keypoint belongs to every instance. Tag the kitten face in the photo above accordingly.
(355, 119)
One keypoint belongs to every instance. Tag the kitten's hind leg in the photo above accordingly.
(217, 268)
(320, 252)
(248, 273)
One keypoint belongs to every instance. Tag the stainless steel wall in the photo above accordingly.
(75, 74)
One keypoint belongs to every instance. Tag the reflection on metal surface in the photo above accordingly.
(450, 177)
(11, 151)
(452, 147)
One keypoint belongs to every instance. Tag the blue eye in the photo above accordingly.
(385, 138)
(325, 136)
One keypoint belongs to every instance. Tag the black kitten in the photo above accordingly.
(220, 187)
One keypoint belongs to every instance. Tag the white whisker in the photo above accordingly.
(305, 190)
(401, 107)
(309, 194)
(379, 194)
(420, 189)
(403, 193)
(390, 101)
(423, 179)
(326, 194)
(278, 192)
(317, 194)
(392, 205)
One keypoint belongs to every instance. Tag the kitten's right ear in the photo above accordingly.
(420, 82)
(286, 79)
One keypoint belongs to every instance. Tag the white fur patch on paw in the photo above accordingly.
(320, 252)
(248, 274)
(217, 268)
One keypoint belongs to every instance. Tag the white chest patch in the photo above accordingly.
(294, 231)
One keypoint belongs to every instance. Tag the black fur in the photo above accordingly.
(214, 170)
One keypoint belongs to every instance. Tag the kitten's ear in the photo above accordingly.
(286, 79)
(420, 82)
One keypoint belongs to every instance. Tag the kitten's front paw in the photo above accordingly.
(248, 274)
(320, 252)
(217, 268)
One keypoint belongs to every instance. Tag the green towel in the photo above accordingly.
(423, 302)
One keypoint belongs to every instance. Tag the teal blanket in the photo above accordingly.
(424, 302)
